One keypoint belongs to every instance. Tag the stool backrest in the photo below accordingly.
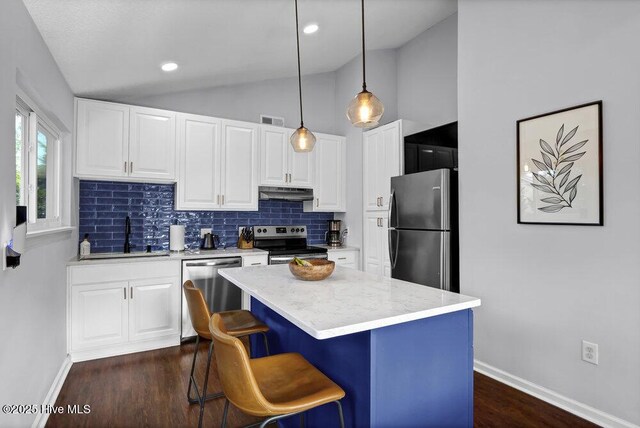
(237, 379)
(198, 309)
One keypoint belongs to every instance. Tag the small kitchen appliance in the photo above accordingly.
(286, 242)
(210, 242)
(333, 235)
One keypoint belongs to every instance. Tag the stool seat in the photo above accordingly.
(240, 323)
(291, 384)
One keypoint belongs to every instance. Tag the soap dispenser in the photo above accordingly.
(85, 246)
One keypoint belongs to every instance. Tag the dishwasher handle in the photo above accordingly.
(214, 263)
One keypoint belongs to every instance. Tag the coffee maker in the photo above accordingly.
(333, 235)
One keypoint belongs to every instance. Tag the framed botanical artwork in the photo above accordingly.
(560, 167)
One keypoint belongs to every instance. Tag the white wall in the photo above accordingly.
(278, 97)
(381, 80)
(428, 75)
(32, 297)
(545, 288)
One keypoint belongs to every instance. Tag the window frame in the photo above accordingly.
(37, 121)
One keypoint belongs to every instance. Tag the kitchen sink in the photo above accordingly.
(140, 254)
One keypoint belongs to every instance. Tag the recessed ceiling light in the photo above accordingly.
(169, 66)
(310, 28)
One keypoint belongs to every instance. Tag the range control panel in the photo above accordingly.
(280, 232)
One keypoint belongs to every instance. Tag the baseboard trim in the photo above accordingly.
(41, 418)
(572, 406)
(126, 348)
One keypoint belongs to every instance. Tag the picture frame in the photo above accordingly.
(559, 167)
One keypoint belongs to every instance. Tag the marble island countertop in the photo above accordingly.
(347, 302)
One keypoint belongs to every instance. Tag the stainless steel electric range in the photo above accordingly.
(285, 242)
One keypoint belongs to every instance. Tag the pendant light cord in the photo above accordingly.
(364, 73)
(299, 75)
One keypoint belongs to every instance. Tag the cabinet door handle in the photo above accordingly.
(317, 202)
(125, 167)
(256, 264)
(125, 293)
(222, 200)
(342, 258)
(130, 167)
(131, 292)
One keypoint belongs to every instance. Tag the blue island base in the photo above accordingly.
(414, 374)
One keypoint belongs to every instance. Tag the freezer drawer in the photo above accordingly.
(421, 256)
(420, 201)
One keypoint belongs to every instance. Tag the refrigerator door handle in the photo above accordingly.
(445, 283)
(392, 209)
(393, 247)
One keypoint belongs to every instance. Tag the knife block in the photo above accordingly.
(244, 245)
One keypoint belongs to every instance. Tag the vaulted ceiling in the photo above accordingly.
(114, 48)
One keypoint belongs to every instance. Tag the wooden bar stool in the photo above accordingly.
(240, 322)
(273, 387)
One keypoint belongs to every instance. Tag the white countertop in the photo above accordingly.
(183, 255)
(347, 302)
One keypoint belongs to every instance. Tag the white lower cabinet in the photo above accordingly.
(99, 315)
(345, 257)
(122, 308)
(152, 309)
(376, 244)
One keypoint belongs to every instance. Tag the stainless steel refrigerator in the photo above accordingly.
(422, 235)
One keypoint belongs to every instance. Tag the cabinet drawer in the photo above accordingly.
(260, 260)
(93, 274)
(343, 257)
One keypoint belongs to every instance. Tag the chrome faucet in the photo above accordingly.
(127, 232)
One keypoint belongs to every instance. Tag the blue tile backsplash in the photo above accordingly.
(105, 204)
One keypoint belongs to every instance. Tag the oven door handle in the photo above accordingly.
(304, 257)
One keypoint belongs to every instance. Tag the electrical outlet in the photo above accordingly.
(590, 352)
(204, 231)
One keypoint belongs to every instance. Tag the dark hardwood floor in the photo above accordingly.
(149, 389)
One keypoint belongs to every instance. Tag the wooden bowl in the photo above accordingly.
(320, 270)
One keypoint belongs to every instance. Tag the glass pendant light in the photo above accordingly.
(302, 140)
(365, 110)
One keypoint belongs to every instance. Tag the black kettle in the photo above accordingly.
(209, 242)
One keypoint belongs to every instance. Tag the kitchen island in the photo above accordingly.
(403, 352)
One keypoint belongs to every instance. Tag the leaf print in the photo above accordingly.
(564, 169)
(560, 132)
(564, 179)
(547, 148)
(575, 147)
(573, 194)
(543, 188)
(540, 165)
(572, 184)
(547, 161)
(552, 200)
(572, 158)
(569, 136)
(541, 179)
(552, 208)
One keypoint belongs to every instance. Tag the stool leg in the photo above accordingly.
(193, 365)
(224, 414)
(203, 399)
(301, 420)
(340, 413)
(266, 342)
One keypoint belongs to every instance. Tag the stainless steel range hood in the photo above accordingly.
(285, 194)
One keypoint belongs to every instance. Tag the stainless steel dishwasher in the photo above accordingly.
(220, 294)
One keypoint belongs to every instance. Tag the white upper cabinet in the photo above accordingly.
(329, 191)
(152, 144)
(239, 166)
(280, 165)
(382, 148)
(121, 141)
(199, 159)
(102, 139)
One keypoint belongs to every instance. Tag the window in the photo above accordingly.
(37, 167)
